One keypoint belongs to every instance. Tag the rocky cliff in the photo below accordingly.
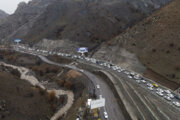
(89, 22)
(3, 15)
(155, 41)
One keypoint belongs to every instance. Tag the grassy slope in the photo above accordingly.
(156, 41)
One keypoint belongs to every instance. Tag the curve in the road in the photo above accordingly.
(112, 106)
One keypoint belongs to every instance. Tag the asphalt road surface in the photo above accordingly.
(111, 105)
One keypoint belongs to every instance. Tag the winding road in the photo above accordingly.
(112, 107)
(137, 99)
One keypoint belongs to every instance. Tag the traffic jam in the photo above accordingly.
(165, 93)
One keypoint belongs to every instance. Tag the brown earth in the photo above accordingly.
(69, 79)
(161, 80)
(23, 102)
(155, 41)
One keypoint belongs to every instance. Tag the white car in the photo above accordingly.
(150, 88)
(159, 93)
(167, 91)
(98, 86)
(105, 115)
(129, 76)
(170, 95)
(126, 72)
(138, 81)
(132, 73)
(160, 90)
(81, 70)
(149, 84)
(136, 77)
(167, 98)
(143, 81)
(176, 103)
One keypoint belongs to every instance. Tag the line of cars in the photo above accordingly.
(166, 94)
(154, 87)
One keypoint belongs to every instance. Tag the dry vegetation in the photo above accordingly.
(68, 80)
(23, 102)
(155, 41)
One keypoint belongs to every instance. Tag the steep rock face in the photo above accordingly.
(3, 15)
(22, 20)
(88, 21)
(155, 41)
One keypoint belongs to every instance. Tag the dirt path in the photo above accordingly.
(34, 81)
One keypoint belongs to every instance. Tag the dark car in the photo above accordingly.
(177, 97)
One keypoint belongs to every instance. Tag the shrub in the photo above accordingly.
(47, 70)
(51, 97)
(173, 76)
(68, 84)
(15, 72)
(1, 57)
(55, 69)
(35, 68)
(167, 51)
(41, 73)
(42, 92)
(171, 44)
(179, 48)
(61, 83)
(177, 68)
(62, 99)
(133, 44)
(153, 50)
(38, 62)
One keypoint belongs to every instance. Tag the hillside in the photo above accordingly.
(87, 22)
(3, 15)
(155, 41)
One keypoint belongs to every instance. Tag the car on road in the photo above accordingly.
(136, 77)
(143, 81)
(170, 95)
(129, 76)
(177, 97)
(155, 85)
(159, 93)
(105, 115)
(138, 81)
(98, 86)
(132, 73)
(126, 72)
(167, 91)
(167, 98)
(81, 70)
(176, 103)
(149, 85)
(150, 88)
(100, 96)
(160, 90)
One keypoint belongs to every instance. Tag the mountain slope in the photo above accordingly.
(156, 42)
(3, 15)
(88, 22)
